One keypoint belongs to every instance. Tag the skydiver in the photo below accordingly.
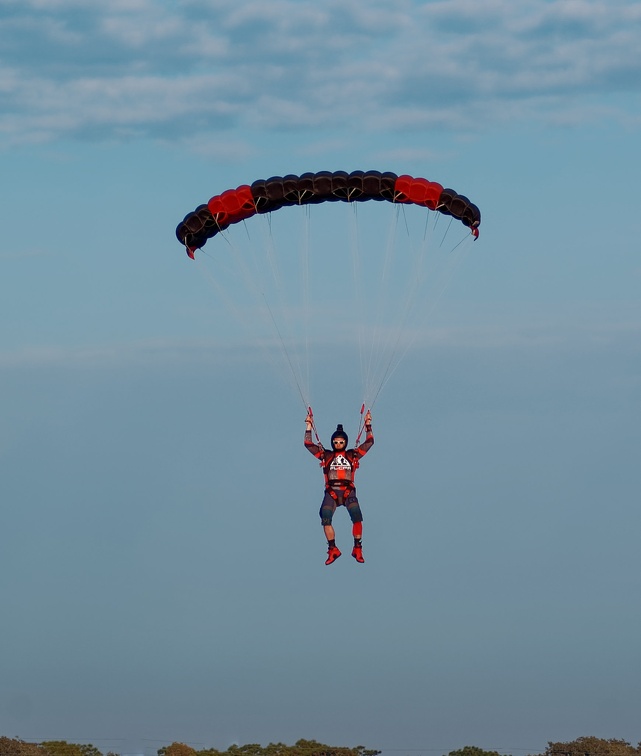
(339, 468)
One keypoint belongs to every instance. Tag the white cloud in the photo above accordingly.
(410, 155)
(226, 151)
(192, 67)
(547, 335)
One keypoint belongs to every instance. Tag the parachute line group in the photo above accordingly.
(391, 295)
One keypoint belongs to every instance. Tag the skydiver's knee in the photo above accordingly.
(326, 515)
(354, 509)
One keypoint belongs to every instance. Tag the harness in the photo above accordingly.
(342, 486)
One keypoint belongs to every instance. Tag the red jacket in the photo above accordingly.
(339, 467)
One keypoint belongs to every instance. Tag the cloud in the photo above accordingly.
(153, 69)
(545, 336)
(142, 354)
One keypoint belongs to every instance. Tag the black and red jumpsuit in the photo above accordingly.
(339, 469)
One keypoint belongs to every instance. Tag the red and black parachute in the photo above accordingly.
(266, 195)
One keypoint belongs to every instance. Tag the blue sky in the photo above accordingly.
(162, 560)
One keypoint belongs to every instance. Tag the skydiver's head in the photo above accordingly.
(339, 439)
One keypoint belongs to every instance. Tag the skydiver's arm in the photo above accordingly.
(315, 449)
(363, 448)
(311, 447)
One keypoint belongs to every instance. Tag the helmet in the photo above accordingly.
(339, 433)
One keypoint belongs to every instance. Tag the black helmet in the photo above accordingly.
(339, 433)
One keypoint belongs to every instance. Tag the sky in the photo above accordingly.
(162, 570)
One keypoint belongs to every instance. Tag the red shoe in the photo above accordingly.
(332, 554)
(357, 553)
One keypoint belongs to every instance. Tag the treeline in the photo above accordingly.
(17, 747)
(585, 746)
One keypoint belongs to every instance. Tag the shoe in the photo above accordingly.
(357, 553)
(332, 554)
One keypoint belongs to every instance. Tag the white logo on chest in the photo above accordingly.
(340, 463)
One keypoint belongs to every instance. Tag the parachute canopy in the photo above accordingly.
(266, 195)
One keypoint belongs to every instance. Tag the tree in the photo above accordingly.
(300, 748)
(591, 746)
(62, 748)
(177, 749)
(473, 751)
(17, 747)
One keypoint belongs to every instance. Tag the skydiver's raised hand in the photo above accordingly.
(368, 418)
(309, 421)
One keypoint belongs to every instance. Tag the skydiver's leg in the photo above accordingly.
(354, 509)
(330, 533)
(328, 507)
